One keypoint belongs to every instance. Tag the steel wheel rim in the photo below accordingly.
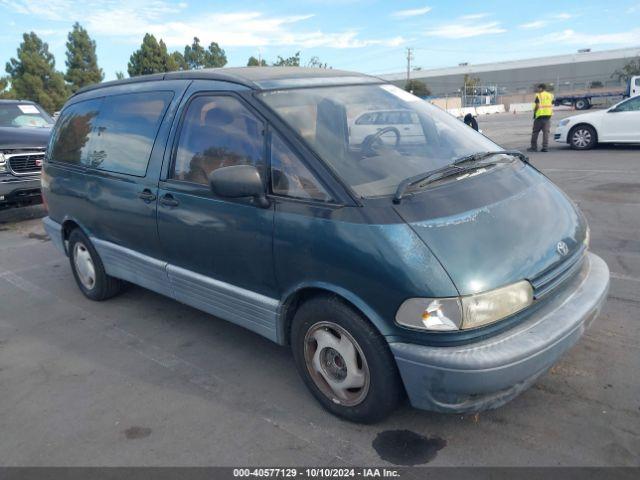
(581, 138)
(336, 364)
(84, 266)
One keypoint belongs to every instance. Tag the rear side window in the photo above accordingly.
(217, 131)
(74, 131)
(125, 132)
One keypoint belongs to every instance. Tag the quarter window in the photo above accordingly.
(126, 129)
(290, 177)
(217, 131)
(74, 131)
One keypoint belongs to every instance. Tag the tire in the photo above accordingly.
(582, 104)
(88, 269)
(327, 320)
(583, 137)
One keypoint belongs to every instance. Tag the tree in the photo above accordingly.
(5, 91)
(33, 74)
(630, 69)
(151, 57)
(196, 56)
(181, 63)
(418, 88)
(82, 62)
(293, 61)
(254, 62)
(469, 84)
(119, 75)
(314, 62)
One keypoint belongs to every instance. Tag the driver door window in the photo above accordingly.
(217, 131)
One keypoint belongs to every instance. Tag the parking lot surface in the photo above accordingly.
(144, 380)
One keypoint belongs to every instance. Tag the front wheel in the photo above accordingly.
(582, 137)
(344, 361)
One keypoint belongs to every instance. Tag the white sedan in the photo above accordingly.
(618, 124)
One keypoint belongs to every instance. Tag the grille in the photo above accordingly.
(558, 273)
(22, 164)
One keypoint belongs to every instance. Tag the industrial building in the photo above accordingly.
(578, 71)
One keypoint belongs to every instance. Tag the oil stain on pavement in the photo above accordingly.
(133, 433)
(403, 447)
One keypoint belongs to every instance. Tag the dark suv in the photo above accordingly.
(25, 129)
(442, 267)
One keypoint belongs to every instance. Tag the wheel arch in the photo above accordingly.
(296, 296)
(67, 226)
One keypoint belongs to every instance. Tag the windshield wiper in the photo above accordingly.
(476, 157)
(457, 166)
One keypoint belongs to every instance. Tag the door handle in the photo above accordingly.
(147, 195)
(168, 201)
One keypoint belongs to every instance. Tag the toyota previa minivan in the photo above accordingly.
(438, 267)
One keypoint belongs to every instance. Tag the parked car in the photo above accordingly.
(618, 124)
(25, 128)
(237, 191)
(400, 126)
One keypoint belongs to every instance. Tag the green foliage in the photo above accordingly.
(254, 62)
(469, 83)
(418, 88)
(181, 63)
(82, 62)
(196, 56)
(314, 62)
(5, 91)
(119, 75)
(293, 61)
(33, 75)
(151, 57)
(630, 69)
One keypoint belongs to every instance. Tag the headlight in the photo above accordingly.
(469, 311)
(564, 122)
(488, 307)
(3, 164)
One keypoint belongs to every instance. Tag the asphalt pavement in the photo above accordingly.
(144, 380)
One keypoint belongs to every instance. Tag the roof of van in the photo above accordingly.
(257, 78)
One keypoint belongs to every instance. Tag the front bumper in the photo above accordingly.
(489, 373)
(19, 189)
(561, 134)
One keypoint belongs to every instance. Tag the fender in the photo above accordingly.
(285, 302)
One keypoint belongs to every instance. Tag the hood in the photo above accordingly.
(586, 116)
(23, 137)
(495, 228)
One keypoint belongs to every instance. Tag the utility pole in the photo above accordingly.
(409, 58)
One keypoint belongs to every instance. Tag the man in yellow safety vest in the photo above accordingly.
(542, 112)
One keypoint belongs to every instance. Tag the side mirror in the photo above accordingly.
(238, 181)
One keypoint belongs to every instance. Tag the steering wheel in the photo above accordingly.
(374, 140)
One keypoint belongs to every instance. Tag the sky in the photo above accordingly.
(369, 36)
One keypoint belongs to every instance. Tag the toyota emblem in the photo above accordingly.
(562, 248)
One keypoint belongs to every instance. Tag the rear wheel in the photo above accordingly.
(582, 104)
(88, 270)
(582, 137)
(344, 361)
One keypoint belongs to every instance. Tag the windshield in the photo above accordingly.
(375, 136)
(23, 115)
